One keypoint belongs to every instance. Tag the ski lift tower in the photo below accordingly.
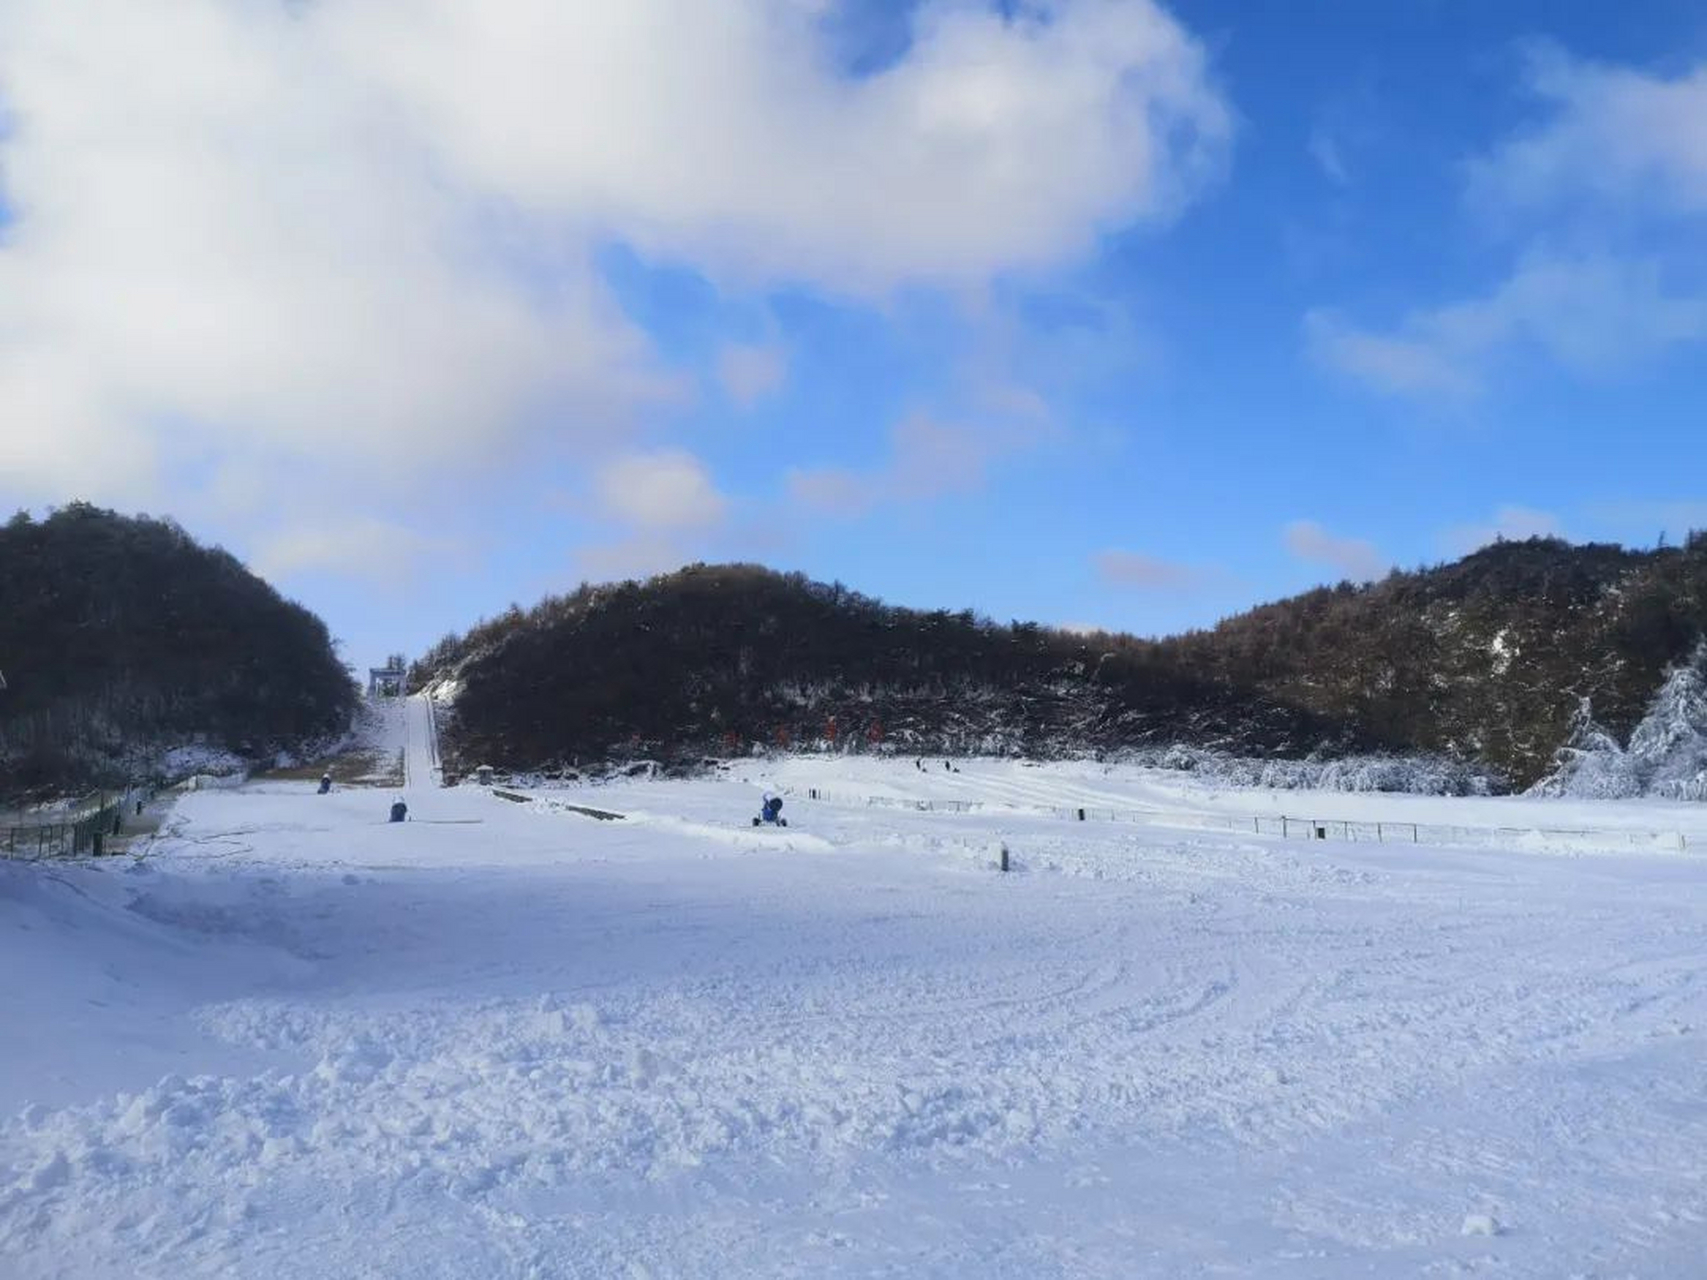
(387, 681)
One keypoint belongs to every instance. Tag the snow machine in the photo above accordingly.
(771, 813)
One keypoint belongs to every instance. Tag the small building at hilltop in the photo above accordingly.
(387, 681)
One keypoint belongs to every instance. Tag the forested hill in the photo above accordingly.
(1489, 658)
(714, 659)
(1485, 660)
(121, 637)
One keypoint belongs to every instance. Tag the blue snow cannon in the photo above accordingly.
(771, 813)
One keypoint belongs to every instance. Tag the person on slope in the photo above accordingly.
(325, 782)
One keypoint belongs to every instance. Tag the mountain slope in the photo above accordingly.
(1485, 660)
(1488, 658)
(121, 637)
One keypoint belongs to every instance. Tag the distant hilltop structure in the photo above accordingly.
(387, 681)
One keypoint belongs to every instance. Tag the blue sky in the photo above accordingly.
(1088, 311)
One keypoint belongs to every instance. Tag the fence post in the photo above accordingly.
(1004, 855)
(1081, 815)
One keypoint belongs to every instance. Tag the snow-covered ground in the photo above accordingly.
(1185, 798)
(510, 1040)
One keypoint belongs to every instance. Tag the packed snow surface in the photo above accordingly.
(508, 1039)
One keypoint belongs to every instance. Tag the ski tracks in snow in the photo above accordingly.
(661, 1048)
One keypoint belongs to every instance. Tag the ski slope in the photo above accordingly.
(508, 1040)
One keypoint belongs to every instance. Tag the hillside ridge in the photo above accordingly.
(1486, 660)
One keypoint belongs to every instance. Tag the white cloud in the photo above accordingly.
(1352, 558)
(1512, 523)
(1593, 315)
(1004, 398)
(669, 489)
(750, 372)
(1617, 158)
(360, 546)
(834, 491)
(230, 247)
(928, 459)
(721, 134)
(59, 436)
(1404, 364)
(1614, 134)
(259, 236)
(1144, 572)
(639, 557)
(932, 458)
(1325, 151)
(1350, 123)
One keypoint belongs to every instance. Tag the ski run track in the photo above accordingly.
(293, 1040)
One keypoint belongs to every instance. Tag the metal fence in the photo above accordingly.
(1287, 827)
(84, 827)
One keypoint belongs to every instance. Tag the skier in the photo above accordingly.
(325, 782)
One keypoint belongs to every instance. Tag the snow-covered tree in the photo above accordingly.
(1669, 746)
(1590, 764)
